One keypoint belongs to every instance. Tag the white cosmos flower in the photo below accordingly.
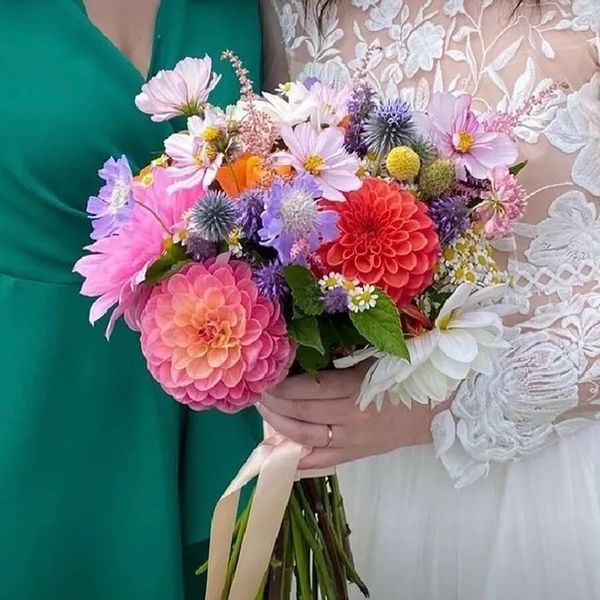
(295, 106)
(468, 334)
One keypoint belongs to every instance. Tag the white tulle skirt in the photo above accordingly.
(530, 531)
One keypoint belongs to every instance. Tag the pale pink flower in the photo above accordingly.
(502, 205)
(322, 154)
(460, 136)
(195, 159)
(116, 265)
(331, 104)
(211, 340)
(181, 91)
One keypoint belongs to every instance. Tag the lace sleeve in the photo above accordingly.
(275, 63)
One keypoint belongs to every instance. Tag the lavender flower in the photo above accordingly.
(213, 217)
(389, 125)
(270, 281)
(336, 300)
(360, 106)
(292, 213)
(250, 206)
(113, 205)
(451, 215)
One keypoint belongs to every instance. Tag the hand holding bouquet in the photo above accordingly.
(295, 232)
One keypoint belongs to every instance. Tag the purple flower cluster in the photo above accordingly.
(250, 206)
(359, 107)
(336, 300)
(270, 281)
(451, 215)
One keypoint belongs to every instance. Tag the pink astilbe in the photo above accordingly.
(211, 340)
(116, 265)
(258, 132)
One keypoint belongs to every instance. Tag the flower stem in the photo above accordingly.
(235, 553)
(155, 215)
(302, 560)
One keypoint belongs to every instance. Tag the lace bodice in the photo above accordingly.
(550, 376)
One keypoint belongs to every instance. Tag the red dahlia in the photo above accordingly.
(386, 239)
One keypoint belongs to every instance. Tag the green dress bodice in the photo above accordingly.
(106, 484)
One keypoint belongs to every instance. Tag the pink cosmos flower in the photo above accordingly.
(502, 205)
(116, 265)
(322, 154)
(181, 91)
(331, 104)
(195, 159)
(460, 136)
(211, 340)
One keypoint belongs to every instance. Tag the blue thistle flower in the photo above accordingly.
(250, 207)
(389, 125)
(361, 103)
(451, 215)
(336, 300)
(270, 281)
(213, 217)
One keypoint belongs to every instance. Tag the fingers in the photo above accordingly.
(331, 385)
(306, 434)
(325, 458)
(323, 412)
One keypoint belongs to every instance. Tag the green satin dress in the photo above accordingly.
(106, 484)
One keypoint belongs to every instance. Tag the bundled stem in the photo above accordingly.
(312, 547)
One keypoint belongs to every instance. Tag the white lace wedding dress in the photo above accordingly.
(511, 509)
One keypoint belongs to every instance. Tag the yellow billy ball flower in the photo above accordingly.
(403, 163)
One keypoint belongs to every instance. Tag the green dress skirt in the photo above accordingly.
(106, 484)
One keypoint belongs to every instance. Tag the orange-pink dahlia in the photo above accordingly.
(211, 340)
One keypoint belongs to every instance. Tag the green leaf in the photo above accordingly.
(516, 169)
(305, 331)
(381, 326)
(172, 261)
(311, 361)
(305, 291)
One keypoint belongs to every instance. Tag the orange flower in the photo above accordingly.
(247, 172)
(386, 239)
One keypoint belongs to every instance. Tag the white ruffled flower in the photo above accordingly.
(467, 336)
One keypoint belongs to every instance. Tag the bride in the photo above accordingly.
(507, 503)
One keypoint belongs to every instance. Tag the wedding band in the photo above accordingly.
(329, 436)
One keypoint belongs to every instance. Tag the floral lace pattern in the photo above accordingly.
(550, 377)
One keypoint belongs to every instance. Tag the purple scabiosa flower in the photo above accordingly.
(113, 205)
(198, 248)
(360, 105)
(270, 281)
(389, 125)
(292, 213)
(250, 206)
(336, 300)
(451, 215)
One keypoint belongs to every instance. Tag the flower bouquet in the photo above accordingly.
(296, 232)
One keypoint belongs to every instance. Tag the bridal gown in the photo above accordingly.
(511, 508)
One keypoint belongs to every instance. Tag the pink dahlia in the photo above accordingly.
(502, 205)
(181, 91)
(116, 265)
(211, 340)
(460, 136)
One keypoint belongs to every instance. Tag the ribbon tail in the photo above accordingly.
(270, 501)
